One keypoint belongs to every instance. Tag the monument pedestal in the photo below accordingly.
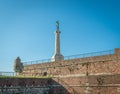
(57, 57)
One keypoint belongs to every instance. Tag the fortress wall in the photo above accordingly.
(98, 74)
(106, 64)
(96, 84)
(103, 67)
(100, 84)
(24, 82)
(91, 79)
(31, 86)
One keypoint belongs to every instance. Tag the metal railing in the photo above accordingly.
(7, 73)
(109, 52)
(37, 61)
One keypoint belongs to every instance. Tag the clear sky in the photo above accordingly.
(27, 28)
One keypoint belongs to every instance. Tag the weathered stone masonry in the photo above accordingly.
(90, 75)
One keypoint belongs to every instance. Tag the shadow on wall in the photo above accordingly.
(31, 86)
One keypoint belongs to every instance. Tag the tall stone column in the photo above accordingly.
(57, 55)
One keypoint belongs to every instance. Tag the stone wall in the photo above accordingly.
(30, 86)
(24, 82)
(91, 84)
(95, 84)
(90, 75)
(105, 64)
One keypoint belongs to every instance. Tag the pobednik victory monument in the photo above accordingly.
(57, 55)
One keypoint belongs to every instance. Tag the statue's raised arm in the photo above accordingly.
(57, 25)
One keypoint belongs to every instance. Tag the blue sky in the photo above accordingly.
(27, 28)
